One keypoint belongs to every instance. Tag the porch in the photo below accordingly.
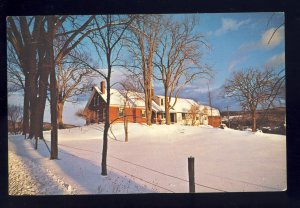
(160, 117)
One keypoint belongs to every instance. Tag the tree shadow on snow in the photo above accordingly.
(70, 167)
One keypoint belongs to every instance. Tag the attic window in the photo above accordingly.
(121, 112)
(143, 113)
(98, 115)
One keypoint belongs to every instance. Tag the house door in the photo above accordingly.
(173, 117)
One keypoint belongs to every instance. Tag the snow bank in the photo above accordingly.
(28, 178)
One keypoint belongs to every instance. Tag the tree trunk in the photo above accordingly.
(126, 129)
(149, 110)
(168, 117)
(106, 128)
(33, 101)
(53, 90)
(41, 103)
(26, 107)
(148, 96)
(53, 106)
(167, 109)
(253, 120)
(148, 104)
(60, 108)
(104, 150)
(31, 69)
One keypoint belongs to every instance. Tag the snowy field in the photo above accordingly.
(155, 160)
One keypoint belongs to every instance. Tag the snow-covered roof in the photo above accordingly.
(118, 97)
(156, 107)
(183, 105)
(136, 99)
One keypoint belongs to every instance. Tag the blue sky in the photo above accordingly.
(238, 41)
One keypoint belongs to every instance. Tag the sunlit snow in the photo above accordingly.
(156, 159)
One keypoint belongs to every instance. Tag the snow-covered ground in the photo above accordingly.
(156, 160)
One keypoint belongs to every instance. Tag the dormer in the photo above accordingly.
(161, 101)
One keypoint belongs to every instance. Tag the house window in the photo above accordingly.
(161, 101)
(183, 115)
(121, 112)
(98, 115)
(96, 100)
(143, 113)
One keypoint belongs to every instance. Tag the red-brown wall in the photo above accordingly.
(99, 107)
(214, 121)
(133, 114)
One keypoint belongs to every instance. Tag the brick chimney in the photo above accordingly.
(102, 84)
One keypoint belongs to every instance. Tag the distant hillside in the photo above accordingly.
(271, 121)
(219, 101)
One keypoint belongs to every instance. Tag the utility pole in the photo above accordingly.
(209, 99)
(228, 116)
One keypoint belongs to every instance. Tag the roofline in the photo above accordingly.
(160, 96)
(90, 99)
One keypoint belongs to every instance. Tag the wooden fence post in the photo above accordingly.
(191, 174)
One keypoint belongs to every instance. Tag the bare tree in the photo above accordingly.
(178, 59)
(33, 41)
(73, 79)
(73, 38)
(107, 42)
(23, 35)
(193, 114)
(277, 27)
(252, 88)
(15, 118)
(131, 93)
(142, 42)
(277, 95)
(15, 75)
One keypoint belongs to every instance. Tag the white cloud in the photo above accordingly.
(276, 60)
(269, 41)
(232, 65)
(230, 25)
(118, 74)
